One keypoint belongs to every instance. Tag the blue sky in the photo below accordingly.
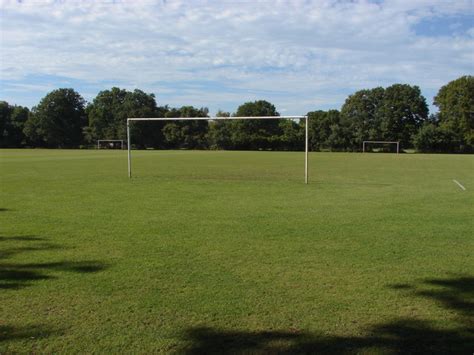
(299, 55)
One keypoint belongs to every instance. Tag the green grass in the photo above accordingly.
(211, 252)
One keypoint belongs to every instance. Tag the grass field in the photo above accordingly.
(211, 252)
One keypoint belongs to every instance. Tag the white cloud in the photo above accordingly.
(297, 54)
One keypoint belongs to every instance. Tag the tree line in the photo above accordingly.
(63, 119)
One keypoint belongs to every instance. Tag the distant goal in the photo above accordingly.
(367, 143)
(110, 144)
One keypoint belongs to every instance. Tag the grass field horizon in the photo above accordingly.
(229, 251)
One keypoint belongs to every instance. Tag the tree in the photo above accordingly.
(255, 134)
(18, 118)
(110, 109)
(395, 113)
(292, 135)
(456, 110)
(58, 120)
(326, 130)
(402, 113)
(219, 134)
(5, 113)
(359, 115)
(106, 114)
(12, 123)
(432, 138)
(338, 139)
(141, 104)
(186, 134)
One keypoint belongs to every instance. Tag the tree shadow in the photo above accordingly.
(456, 294)
(17, 275)
(405, 336)
(26, 238)
(18, 248)
(401, 335)
(4, 210)
(36, 331)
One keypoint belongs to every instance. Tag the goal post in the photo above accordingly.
(113, 141)
(134, 119)
(364, 143)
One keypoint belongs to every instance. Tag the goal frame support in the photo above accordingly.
(170, 119)
(110, 140)
(381, 142)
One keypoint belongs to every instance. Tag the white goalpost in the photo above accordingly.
(129, 145)
(381, 142)
(110, 141)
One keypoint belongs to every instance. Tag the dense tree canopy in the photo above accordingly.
(393, 114)
(434, 139)
(291, 135)
(360, 114)
(12, 123)
(109, 111)
(255, 134)
(456, 111)
(403, 112)
(396, 113)
(186, 134)
(107, 115)
(326, 131)
(58, 120)
(220, 132)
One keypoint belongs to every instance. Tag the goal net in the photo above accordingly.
(110, 144)
(367, 145)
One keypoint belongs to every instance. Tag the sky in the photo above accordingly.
(299, 55)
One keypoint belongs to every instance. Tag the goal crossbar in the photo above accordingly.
(134, 119)
(214, 118)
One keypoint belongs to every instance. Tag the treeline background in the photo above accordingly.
(63, 119)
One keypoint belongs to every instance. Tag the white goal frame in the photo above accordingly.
(110, 140)
(381, 142)
(134, 119)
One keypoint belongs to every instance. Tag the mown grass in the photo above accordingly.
(212, 252)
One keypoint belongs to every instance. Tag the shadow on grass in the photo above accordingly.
(455, 294)
(20, 247)
(18, 275)
(398, 336)
(4, 210)
(14, 276)
(31, 332)
(26, 238)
